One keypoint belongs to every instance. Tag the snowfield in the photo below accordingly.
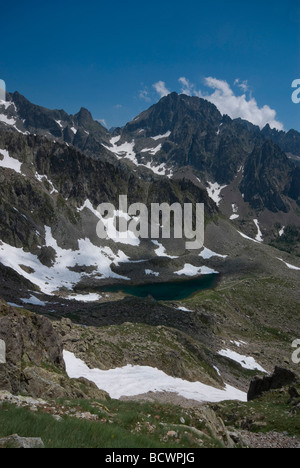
(51, 279)
(10, 163)
(137, 380)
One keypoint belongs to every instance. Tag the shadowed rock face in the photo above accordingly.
(34, 363)
(294, 187)
(280, 378)
(267, 173)
(30, 340)
(196, 136)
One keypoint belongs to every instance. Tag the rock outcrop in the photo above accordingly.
(280, 378)
(33, 358)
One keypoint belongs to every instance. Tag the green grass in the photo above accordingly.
(70, 432)
(127, 425)
(272, 412)
(145, 425)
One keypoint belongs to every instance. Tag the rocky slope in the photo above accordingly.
(32, 360)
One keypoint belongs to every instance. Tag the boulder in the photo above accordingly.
(15, 441)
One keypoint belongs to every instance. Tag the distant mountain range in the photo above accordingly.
(56, 169)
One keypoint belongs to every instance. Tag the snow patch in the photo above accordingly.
(124, 237)
(34, 301)
(91, 297)
(10, 163)
(12, 304)
(161, 251)
(123, 151)
(248, 238)
(150, 272)
(234, 211)
(238, 343)
(184, 309)
(7, 121)
(152, 151)
(190, 270)
(160, 137)
(135, 380)
(245, 361)
(291, 267)
(40, 178)
(207, 254)
(214, 192)
(60, 274)
(161, 169)
(126, 151)
(6, 104)
(259, 236)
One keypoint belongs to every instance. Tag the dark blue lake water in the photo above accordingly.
(168, 291)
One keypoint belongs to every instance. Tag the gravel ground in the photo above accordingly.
(270, 440)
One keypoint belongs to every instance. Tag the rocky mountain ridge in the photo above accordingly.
(185, 137)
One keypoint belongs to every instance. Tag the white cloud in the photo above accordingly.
(187, 87)
(243, 85)
(228, 102)
(160, 88)
(144, 94)
(240, 106)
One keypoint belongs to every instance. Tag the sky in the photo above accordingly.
(117, 58)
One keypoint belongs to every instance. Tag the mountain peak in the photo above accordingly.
(84, 117)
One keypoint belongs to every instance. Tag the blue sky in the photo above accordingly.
(107, 56)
